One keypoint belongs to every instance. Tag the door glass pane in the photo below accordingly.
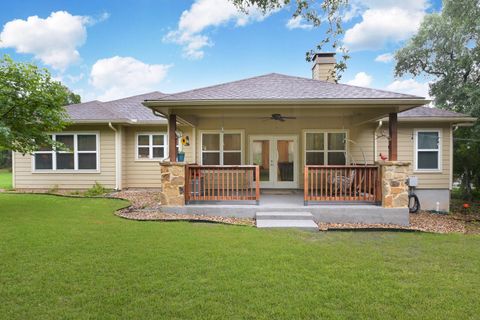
(231, 141)
(261, 157)
(87, 143)
(232, 158)
(336, 141)
(427, 160)
(428, 140)
(336, 158)
(315, 141)
(43, 161)
(285, 151)
(67, 140)
(211, 141)
(87, 161)
(315, 158)
(211, 158)
(65, 161)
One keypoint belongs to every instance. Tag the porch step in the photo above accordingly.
(279, 215)
(279, 219)
(309, 225)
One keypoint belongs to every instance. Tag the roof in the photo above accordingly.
(276, 86)
(128, 109)
(426, 112)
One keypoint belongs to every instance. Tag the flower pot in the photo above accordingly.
(181, 157)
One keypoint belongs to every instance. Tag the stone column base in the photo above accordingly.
(173, 183)
(394, 176)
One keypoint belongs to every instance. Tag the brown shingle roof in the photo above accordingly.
(126, 109)
(276, 86)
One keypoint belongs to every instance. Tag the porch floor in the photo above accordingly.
(292, 201)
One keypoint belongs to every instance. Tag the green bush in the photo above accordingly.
(96, 190)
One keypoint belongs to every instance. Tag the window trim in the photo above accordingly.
(325, 151)
(151, 146)
(416, 150)
(221, 151)
(75, 154)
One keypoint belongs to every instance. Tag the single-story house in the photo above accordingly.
(268, 132)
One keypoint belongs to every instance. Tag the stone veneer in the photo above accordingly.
(173, 183)
(394, 183)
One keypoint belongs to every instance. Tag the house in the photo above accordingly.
(270, 132)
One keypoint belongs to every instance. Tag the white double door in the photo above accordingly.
(277, 156)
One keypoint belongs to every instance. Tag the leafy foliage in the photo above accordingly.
(317, 13)
(446, 50)
(96, 190)
(31, 105)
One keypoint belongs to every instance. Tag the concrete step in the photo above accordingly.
(309, 225)
(279, 215)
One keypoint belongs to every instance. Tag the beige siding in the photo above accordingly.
(361, 142)
(26, 179)
(145, 173)
(406, 151)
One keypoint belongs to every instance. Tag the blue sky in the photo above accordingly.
(111, 49)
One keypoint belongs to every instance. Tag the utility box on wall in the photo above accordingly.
(412, 181)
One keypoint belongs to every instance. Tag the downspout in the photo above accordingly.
(13, 169)
(118, 154)
(375, 145)
(453, 128)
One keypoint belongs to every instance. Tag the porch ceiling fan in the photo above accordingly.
(278, 117)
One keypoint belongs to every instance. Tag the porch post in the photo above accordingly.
(172, 137)
(392, 133)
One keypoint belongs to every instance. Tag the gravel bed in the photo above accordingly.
(155, 215)
(140, 198)
(426, 222)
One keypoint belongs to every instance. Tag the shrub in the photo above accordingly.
(96, 190)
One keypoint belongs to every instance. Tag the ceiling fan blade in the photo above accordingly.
(289, 117)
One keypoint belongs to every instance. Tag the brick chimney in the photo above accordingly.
(323, 66)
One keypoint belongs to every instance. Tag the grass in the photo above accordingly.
(5, 179)
(72, 258)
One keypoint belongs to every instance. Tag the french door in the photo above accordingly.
(277, 156)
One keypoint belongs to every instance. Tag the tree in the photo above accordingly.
(330, 13)
(31, 105)
(446, 50)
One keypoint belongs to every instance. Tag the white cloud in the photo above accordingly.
(410, 86)
(53, 40)
(384, 22)
(119, 77)
(361, 79)
(202, 15)
(298, 23)
(385, 58)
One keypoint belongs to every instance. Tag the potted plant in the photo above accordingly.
(181, 153)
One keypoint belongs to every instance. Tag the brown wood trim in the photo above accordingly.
(393, 137)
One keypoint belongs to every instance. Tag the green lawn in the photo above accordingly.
(5, 179)
(71, 258)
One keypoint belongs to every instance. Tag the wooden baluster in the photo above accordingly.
(257, 183)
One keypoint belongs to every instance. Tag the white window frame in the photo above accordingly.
(325, 151)
(151, 146)
(438, 150)
(75, 154)
(222, 151)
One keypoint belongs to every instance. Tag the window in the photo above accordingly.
(80, 153)
(427, 145)
(151, 146)
(222, 148)
(323, 148)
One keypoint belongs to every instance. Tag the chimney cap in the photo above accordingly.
(324, 55)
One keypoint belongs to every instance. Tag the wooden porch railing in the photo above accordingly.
(346, 183)
(222, 183)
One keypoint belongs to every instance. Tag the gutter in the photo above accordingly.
(230, 102)
(118, 157)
